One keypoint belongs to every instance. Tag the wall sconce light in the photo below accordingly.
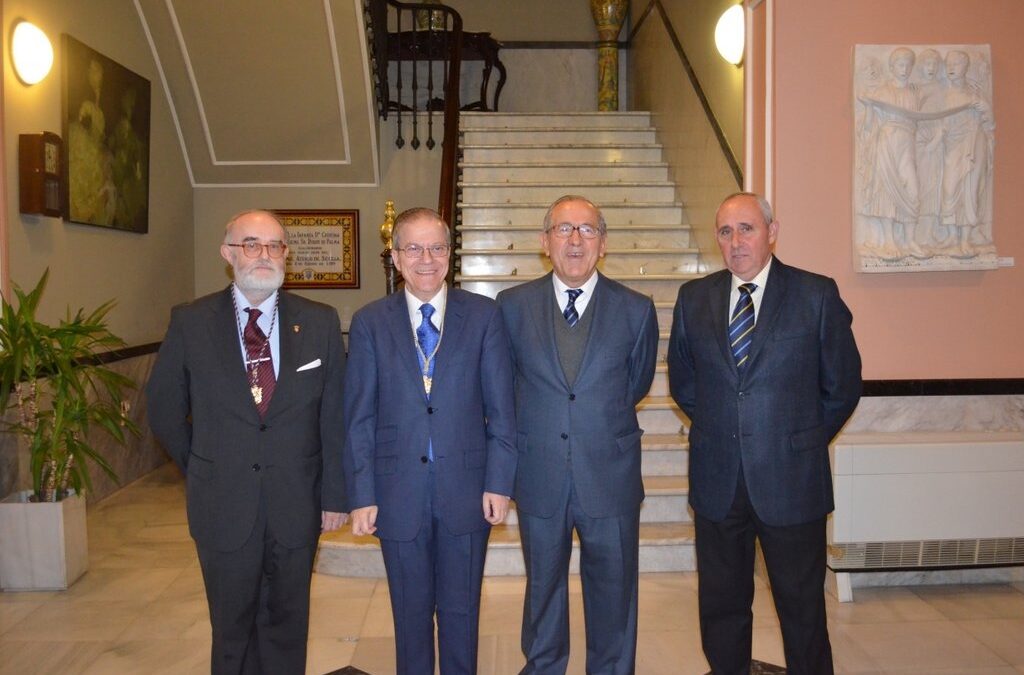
(31, 52)
(729, 34)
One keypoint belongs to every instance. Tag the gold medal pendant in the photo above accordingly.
(427, 382)
(257, 393)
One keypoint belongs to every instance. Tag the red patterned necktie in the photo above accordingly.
(257, 354)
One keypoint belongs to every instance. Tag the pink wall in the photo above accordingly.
(909, 326)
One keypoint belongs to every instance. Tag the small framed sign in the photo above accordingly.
(323, 248)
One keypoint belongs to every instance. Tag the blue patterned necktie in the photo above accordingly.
(428, 336)
(741, 325)
(570, 313)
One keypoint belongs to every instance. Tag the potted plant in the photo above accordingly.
(54, 392)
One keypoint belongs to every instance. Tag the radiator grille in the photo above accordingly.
(937, 553)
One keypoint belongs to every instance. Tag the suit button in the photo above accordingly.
(572, 397)
(565, 437)
(424, 459)
(430, 411)
(263, 427)
(256, 467)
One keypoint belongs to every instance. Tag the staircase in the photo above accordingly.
(513, 166)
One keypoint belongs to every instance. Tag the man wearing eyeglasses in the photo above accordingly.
(430, 453)
(245, 395)
(584, 349)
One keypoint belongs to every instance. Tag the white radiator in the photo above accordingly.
(926, 500)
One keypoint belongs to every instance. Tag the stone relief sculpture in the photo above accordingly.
(924, 136)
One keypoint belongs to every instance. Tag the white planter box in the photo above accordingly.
(42, 546)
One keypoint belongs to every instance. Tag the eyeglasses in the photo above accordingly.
(416, 251)
(254, 249)
(565, 230)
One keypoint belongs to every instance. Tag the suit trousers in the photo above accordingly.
(609, 553)
(437, 572)
(259, 604)
(795, 558)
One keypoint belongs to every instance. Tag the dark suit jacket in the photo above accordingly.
(201, 410)
(799, 386)
(469, 418)
(592, 422)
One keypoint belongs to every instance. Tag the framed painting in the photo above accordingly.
(106, 141)
(323, 248)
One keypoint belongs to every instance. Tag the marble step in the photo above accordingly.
(616, 261)
(600, 192)
(661, 415)
(659, 387)
(556, 135)
(500, 120)
(553, 172)
(660, 287)
(665, 309)
(664, 547)
(591, 152)
(664, 455)
(532, 213)
(527, 236)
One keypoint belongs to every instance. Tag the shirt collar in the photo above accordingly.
(760, 280)
(588, 286)
(438, 302)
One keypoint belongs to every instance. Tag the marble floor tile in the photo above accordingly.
(327, 654)
(1005, 637)
(142, 608)
(887, 604)
(39, 657)
(931, 644)
(974, 601)
(337, 617)
(153, 657)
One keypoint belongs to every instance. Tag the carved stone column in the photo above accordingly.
(608, 16)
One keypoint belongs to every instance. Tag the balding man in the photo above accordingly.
(245, 395)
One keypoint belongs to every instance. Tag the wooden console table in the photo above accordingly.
(427, 45)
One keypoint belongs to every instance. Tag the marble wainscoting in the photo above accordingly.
(938, 413)
(981, 413)
(140, 455)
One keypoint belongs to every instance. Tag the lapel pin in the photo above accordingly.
(295, 328)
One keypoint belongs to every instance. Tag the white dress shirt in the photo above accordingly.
(562, 298)
(761, 280)
(438, 302)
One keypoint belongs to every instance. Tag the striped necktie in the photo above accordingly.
(570, 313)
(741, 325)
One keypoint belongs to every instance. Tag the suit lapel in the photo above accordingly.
(289, 347)
(540, 308)
(402, 335)
(602, 324)
(223, 332)
(771, 305)
(451, 337)
(718, 298)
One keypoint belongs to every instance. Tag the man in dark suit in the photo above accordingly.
(763, 361)
(245, 395)
(584, 350)
(430, 449)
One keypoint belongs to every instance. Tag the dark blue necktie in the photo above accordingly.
(428, 336)
(741, 325)
(570, 313)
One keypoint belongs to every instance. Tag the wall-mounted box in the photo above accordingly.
(39, 174)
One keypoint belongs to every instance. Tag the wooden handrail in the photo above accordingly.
(446, 198)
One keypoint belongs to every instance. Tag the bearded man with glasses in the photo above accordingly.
(583, 349)
(245, 396)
